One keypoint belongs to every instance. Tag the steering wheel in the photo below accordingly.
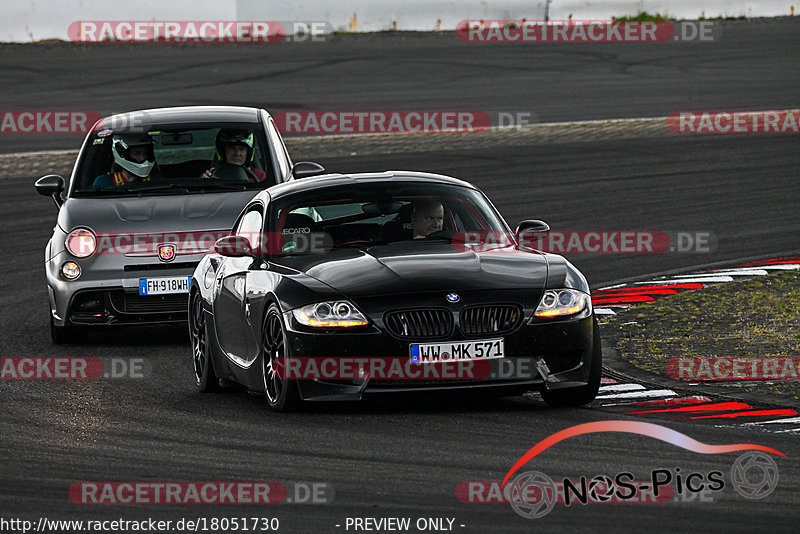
(441, 234)
(233, 173)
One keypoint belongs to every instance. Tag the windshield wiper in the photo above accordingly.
(120, 190)
(166, 187)
(172, 188)
(227, 187)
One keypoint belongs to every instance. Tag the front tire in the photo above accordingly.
(204, 377)
(583, 395)
(66, 334)
(281, 393)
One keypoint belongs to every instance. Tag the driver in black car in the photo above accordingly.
(427, 218)
(235, 147)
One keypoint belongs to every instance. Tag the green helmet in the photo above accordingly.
(234, 137)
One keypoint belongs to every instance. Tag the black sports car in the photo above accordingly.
(343, 286)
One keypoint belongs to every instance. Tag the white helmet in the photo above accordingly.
(120, 148)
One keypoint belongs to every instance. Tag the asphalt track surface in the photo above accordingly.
(405, 458)
(752, 66)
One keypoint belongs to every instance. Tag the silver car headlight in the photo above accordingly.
(81, 243)
(70, 270)
(330, 314)
(562, 303)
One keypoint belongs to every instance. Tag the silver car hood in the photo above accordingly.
(158, 213)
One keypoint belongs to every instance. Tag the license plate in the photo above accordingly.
(164, 286)
(458, 350)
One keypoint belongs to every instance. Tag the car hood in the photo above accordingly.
(406, 268)
(157, 213)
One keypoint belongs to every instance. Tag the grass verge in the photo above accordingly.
(644, 15)
(752, 318)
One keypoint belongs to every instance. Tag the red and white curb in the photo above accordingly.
(636, 399)
(609, 300)
(666, 404)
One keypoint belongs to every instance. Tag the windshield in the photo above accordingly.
(380, 214)
(174, 159)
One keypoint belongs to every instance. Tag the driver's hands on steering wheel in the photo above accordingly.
(214, 172)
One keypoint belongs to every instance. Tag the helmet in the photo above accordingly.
(234, 137)
(120, 147)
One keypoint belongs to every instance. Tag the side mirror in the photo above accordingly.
(51, 185)
(533, 225)
(304, 169)
(233, 246)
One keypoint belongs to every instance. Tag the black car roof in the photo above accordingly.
(333, 180)
(190, 114)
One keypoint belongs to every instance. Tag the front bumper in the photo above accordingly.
(111, 297)
(558, 353)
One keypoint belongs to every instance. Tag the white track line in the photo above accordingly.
(793, 430)
(781, 267)
(741, 272)
(622, 387)
(604, 311)
(777, 421)
(697, 278)
(653, 393)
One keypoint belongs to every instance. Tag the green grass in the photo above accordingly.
(752, 318)
(644, 15)
(726, 18)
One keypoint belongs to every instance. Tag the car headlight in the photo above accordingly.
(562, 303)
(81, 243)
(70, 270)
(330, 314)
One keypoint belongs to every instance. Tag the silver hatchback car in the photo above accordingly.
(149, 194)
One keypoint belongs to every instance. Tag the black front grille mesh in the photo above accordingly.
(431, 323)
(133, 303)
(160, 266)
(494, 319)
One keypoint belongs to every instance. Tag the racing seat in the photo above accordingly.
(400, 228)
